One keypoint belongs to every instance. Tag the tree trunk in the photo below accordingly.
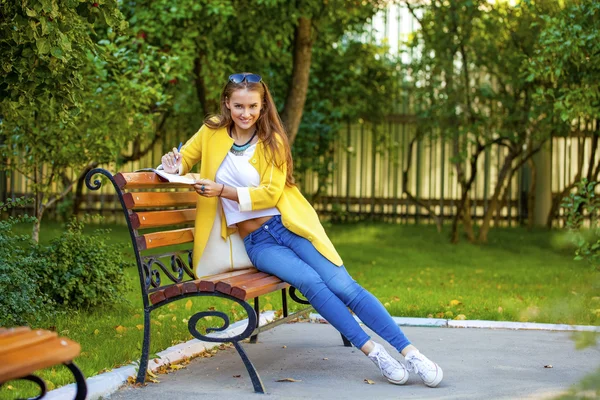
(532, 206)
(493, 204)
(296, 96)
(541, 190)
(467, 220)
(409, 195)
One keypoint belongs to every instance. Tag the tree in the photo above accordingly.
(470, 89)
(275, 37)
(567, 60)
(71, 97)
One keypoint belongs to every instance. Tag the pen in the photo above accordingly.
(179, 148)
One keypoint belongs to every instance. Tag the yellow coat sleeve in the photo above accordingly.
(192, 151)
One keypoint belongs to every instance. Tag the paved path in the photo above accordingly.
(477, 364)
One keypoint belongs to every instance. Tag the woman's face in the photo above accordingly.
(245, 106)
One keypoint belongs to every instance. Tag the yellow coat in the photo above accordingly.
(211, 146)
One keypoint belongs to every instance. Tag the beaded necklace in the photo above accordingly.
(238, 150)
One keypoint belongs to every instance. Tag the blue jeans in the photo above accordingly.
(330, 289)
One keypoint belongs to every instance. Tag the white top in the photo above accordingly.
(236, 171)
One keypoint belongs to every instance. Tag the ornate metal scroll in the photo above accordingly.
(295, 297)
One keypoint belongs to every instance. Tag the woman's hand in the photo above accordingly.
(171, 161)
(208, 188)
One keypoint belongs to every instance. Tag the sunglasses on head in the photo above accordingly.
(239, 78)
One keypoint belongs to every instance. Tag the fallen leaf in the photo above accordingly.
(140, 327)
(288, 380)
(237, 376)
(96, 331)
(369, 382)
(500, 310)
(176, 367)
(284, 347)
(460, 317)
(9, 387)
(548, 366)
(188, 305)
(386, 304)
(325, 358)
(151, 374)
(455, 302)
(120, 329)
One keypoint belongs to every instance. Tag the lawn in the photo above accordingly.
(518, 276)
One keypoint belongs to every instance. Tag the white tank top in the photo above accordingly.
(236, 171)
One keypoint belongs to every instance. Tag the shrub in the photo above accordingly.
(83, 271)
(579, 206)
(21, 301)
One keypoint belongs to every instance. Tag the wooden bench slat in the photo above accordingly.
(207, 283)
(22, 362)
(160, 199)
(24, 339)
(259, 291)
(240, 290)
(13, 331)
(144, 180)
(165, 238)
(154, 219)
(157, 297)
(225, 285)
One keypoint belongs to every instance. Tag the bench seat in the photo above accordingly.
(24, 351)
(242, 284)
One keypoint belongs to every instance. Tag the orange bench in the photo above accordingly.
(24, 351)
(163, 219)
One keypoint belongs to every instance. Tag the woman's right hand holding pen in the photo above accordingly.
(172, 161)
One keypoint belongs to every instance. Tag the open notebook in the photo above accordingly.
(188, 179)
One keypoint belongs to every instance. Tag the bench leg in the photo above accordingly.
(284, 302)
(79, 381)
(346, 341)
(256, 381)
(143, 367)
(254, 338)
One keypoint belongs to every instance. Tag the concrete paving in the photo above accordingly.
(477, 364)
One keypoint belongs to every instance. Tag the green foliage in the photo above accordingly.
(75, 271)
(82, 271)
(580, 206)
(349, 79)
(44, 47)
(82, 104)
(21, 301)
(342, 75)
(567, 59)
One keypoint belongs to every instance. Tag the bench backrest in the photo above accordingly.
(160, 216)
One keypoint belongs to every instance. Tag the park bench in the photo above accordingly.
(24, 351)
(160, 215)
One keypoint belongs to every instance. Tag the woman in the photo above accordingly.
(247, 163)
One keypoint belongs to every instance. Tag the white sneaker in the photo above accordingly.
(430, 372)
(390, 368)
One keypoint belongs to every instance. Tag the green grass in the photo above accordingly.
(518, 276)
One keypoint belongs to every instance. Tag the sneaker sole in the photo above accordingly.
(402, 382)
(437, 379)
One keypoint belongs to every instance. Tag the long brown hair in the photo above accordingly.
(269, 126)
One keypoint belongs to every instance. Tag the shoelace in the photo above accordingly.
(384, 360)
(416, 365)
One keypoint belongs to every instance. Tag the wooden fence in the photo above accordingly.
(366, 182)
